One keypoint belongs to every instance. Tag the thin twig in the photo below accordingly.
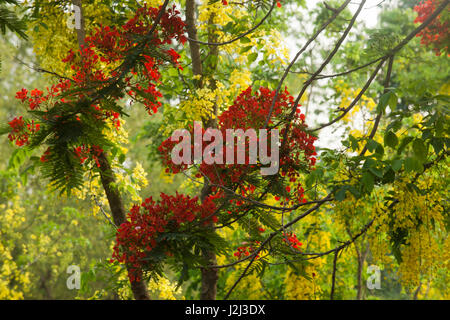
(241, 35)
(306, 45)
(333, 276)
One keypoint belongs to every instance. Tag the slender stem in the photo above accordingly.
(380, 114)
(211, 43)
(333, 276)
(306, 45)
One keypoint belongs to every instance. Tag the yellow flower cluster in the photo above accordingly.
(164, 289)
(128, 183)
(299, 288)
(52, 38)
(419, 256)
(200, 105)
(318, 240)
(160, 288)
(250, 286)
(377, 236)
(414, 209)
(216, 11)
(347, 95)
(13, 281)
(273, 47)
(422, 216)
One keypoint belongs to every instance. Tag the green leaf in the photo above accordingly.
(370, 162)
(228, 26)
(379, 151)
(412, 164)
(389, 176)
(252, 57)
(376, 172)
(426, 134)
(413, 188)
(340, 195)
(403, 144)
(354, 191)
(384, 100)
(353, 142)
(394, 125)
(439, 125)
(390, 139)
(392, 100)
(211, 60)
(368, 181)
(245, 40)
(437, 144)
(245, 49)
(397, 164)
(372, 145)
(420, 150)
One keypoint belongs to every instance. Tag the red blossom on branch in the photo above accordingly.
(94, 65)
(436, 34)
(146, 223)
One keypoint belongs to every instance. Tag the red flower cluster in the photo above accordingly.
(110, 46)
(113, 44)
(436, 33)
(246, 250)
(84, 152)
(249, 111)
(292, 240)
(44, 157)
(137, 236)
(37, 96)
(21, 132)
(22, 95)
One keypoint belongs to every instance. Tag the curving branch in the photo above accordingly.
(388, 55)
(195, 40)
(329, 58)
(319, 77)
(380, 114)
(253, 256)
(310, 40)
(355, 101)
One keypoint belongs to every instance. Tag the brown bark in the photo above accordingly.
(417, 291)
(209, 276)
(139, 288)
(81, 33)
(359, 278)
(116, 206)
(192, 33)
(361, 259)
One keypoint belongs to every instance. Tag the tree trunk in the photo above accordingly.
(139, 288)
(361, 259)
(359, 279)
(209, 276)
